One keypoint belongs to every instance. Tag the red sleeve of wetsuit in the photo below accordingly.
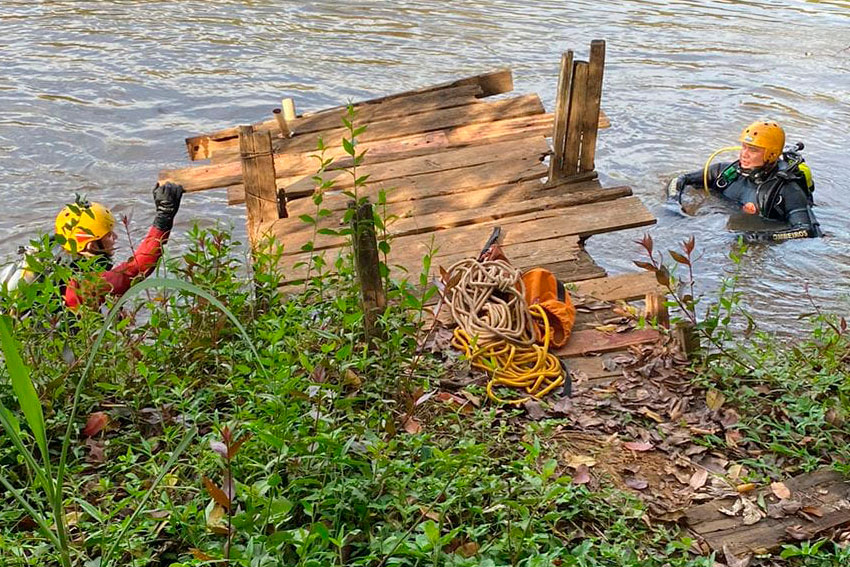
(119, 279)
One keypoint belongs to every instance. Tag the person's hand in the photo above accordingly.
(675, 188)
(166, 198)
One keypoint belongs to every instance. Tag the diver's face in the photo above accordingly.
(105, 245)
(751, 157)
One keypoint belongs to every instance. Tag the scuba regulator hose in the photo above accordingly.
(708, 164)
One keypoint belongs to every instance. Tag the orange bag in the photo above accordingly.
(544, 289)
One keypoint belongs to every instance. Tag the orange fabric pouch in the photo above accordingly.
(544, 289)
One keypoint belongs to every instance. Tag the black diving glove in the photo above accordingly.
(675, 188)
(167, 200)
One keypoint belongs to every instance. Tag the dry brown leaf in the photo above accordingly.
(714, 399)
(698, 479)
(636, 482)
(813, 510)
(752, 513)
(734, 561)
(576, 461)
(638, 446)
(430, 514)
(780, 490)
(215, 520)
(217, 494)
(473, 399)
(735, 472)
(582, 475)
(652, 415)
(412, 426)
(95, 424)
(200, 555)
(798, 532)
(607, 329)
(747, 487)
(468, 549)
(733, 437)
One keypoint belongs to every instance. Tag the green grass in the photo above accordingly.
(328, 475)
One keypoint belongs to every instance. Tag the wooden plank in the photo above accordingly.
(258, 171)
(825, 490)
(582, 343)
(562, 112)
(429, 185)
(574, 121)
(296, 233)
(590, 192)
(594, 368)
(531, 152)
(545, 227)
(583, 268)
(592, 100)
(224, 174)
(332, 118)
(626, 287)
(383, 129)
(491, 83)
(405, 258)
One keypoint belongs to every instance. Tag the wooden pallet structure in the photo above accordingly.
(454, 162)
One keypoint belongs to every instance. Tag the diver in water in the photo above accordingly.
(86, 230)
(765, 180)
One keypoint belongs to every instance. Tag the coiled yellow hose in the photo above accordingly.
(708, 163)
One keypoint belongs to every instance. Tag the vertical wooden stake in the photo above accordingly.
(655, 309)
(288, 106)
(258, 174)
(367, 265)
(281, 123)
(688, 338)
(575, 120)
(592, 100)
(562, 112)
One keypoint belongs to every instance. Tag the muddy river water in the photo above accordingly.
(96, 97)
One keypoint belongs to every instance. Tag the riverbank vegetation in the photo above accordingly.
(207, 419)
(294, 443)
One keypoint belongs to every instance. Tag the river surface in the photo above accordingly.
(97, 97)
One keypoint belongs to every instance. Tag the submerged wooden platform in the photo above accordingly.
(454, 163)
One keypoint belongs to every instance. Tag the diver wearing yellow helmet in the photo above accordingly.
(87, 229)
(766, 180)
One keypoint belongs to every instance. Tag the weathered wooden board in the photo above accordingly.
(494, 82)
(332, 118)
(529, 151)
(826, 492)
(481, 112)
(428, 185)
(551, 231)
(585, 342)
(543, 224)
(593, 369)
(228, 173)
(295, 232)
(626, 287)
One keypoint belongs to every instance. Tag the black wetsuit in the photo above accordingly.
(776, 194)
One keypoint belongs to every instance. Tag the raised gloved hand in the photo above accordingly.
(675, 188)
(167, 200)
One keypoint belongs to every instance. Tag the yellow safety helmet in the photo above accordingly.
(80, 224)
(765, 134)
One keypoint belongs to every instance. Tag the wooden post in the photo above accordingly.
(261, 195)
(562, 112)
(654, 308)
(281, 123)
(575, 120)
(688, 338)
(288, 106)
(367, 265)
(591, 106)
